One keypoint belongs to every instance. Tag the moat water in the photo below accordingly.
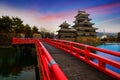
(16, 65)
(113, 47)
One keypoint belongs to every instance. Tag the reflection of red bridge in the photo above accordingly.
(72, 67)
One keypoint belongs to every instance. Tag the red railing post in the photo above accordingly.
(87, 52)
(102, 65)
(71, 47)
(62, 45)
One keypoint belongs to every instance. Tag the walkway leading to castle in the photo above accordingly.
(74, 68)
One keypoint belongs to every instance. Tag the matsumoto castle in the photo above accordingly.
(82, 27)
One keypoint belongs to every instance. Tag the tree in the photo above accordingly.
(43, 32)
(35, 30)
(6, 24)
(111, 38)
(28, 31)
(47, 35)
(18, 26)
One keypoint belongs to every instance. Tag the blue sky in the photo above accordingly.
(51, 13)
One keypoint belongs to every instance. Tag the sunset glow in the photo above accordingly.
(50, 14)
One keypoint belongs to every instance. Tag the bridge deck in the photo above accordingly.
(74, 68)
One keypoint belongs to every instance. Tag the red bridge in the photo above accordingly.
(74, 60)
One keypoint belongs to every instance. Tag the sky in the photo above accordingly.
(50, 14)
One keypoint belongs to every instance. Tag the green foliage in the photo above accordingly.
(35, 29)
(5, 24)
(45, 33)
(18, 26)
(15, 25)
(111, 38)
(28, 31)
(12, 27)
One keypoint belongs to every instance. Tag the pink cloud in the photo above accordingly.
(69, 15)
(104, 8)
(50, 21)
(111, 20)
(54, 17)
(53, 20)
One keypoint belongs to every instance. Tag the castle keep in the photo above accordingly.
(82, 27)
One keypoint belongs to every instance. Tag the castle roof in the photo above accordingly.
(81, 14)
(67, 30)
(64, 25)
(88, 28)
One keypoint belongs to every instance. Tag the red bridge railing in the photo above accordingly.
(50, 69)
(23, 41)
(84, 52)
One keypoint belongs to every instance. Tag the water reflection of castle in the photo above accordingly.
(81, 28)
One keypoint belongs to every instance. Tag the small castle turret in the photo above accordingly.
(65, 31)
(64, 25)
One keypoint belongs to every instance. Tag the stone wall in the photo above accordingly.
(88, 40)
(69, 39)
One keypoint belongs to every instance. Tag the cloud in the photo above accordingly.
(51, 21)
(110, 25)
(103, 9)
(106, 17)
(103, 12)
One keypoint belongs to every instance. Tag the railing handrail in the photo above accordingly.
(102, 61)
(91, 47)
(50, 69)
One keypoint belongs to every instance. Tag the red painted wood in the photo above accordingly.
(74, 49)
(50, 69)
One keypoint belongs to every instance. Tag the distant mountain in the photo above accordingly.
(107, 33)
